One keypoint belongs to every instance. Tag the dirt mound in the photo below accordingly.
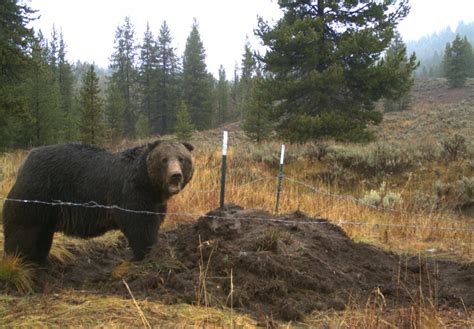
(270, 266)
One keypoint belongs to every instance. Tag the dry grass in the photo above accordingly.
(79, 309)
(252, 184)
(15, 274)
(379, 316)
(255, 187)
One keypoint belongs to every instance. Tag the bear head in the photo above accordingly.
(169, 166)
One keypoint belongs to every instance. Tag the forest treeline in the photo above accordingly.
(430, 49)
(327, 64)
(46, 99)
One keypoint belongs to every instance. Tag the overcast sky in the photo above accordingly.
(89, 25)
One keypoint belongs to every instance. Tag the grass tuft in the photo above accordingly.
(16, 273)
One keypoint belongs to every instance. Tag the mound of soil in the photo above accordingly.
(281, 267)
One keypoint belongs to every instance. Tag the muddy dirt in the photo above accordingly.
(278, 267)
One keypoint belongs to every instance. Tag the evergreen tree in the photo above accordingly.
(324, 65)
(15, 39)
(167, 89)
(234, 94)
(53, 53)
(396, 59)
(197, 85)
(184, 126)
(124, 77)
(43, 125)
(458, 61)
(91, 123)
(66, 91)
(222, 97)
(147, 79)
(114, 116)
(257, 124)
(248, 71)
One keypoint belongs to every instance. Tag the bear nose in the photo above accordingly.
(176, 177)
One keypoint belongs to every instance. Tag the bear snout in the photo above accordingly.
(175, 181)
(176, 177)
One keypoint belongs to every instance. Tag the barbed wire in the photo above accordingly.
(342, 197)
(282, 219)
(356, 200)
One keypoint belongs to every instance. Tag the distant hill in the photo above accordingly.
(436, 113)
(430, 49)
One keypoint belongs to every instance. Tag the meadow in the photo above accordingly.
(410, 193)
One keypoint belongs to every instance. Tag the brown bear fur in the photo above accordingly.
(141, 179)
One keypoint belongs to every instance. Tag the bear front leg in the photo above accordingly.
(31, 242)
(141, 234)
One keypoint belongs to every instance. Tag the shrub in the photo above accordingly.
(391, 199)
(470, 165)
(377, 159)
(382, 198)
(455, 195)
(398, 105)
(372, 198)
(269, 153)
(454, 147)
(317, 151)
(465, 190)
(424, 201)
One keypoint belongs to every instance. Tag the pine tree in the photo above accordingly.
(257, 124)
(222, 97)
(234, 95)
(197, 85)
(114, 116)
(15, 39)
(124, 77)
(167, 89)
(53, 53)
(91, 123)
(43, 125)
(66, 91)
(396, 59)
(248, 71)
(184, 126)
(147, 79)
(458, 61)
(324, 65)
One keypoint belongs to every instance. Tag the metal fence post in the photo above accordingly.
(223, 169)
(280, 177)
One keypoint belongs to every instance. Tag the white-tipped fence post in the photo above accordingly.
(223, 168)
(280, 177)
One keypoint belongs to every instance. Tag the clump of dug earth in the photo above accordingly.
(280, 266)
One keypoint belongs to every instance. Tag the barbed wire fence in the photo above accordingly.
(277, 218)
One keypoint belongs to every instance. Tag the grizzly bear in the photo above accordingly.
(141, 179)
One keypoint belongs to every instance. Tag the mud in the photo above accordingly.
(278, 267)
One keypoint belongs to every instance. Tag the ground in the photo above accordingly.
(280, 267)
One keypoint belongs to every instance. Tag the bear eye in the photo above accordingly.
(164, 160)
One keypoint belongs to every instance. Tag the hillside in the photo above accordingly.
(437, 112)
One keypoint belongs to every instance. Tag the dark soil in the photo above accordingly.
(279, 267)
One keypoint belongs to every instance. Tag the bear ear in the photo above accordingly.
(188, 146)
(154, 144)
